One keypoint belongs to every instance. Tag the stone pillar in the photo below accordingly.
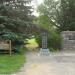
(44, 40)
(44, 50)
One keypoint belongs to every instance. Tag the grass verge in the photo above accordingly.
(11, 64)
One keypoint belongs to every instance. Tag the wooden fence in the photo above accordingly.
(6, 46)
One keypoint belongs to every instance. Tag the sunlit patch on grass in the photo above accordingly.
(32, 44)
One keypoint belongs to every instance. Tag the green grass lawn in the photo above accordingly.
(11, 64)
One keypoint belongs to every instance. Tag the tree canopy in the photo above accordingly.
(58, 14)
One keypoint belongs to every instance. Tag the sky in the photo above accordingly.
(35, 4)
(39, 1)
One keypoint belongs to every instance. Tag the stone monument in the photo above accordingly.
(44, 50)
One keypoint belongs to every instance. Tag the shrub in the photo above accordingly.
(54, 40)
(19, 49)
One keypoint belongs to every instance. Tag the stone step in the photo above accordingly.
(44, 52)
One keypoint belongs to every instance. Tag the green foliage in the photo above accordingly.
(68, 16)
(9, 36)
(19, 49)
(18, 45)
(44, 22)
(54, 40)
(15, 17)
(59, 14)
(48, 14)
(38, 40)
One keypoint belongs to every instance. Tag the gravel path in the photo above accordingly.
(60, 63)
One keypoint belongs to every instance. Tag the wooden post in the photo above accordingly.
(10, 50)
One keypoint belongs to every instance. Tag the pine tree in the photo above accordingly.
(15, 15)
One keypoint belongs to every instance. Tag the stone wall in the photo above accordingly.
(68, 41)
